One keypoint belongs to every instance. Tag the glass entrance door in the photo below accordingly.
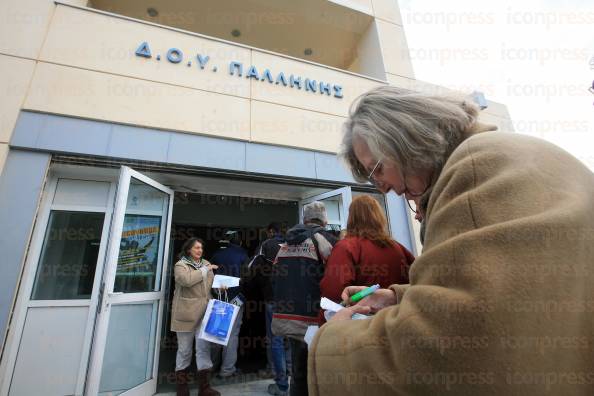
(125, 353)
(337, 204)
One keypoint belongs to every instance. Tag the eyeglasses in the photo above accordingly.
(411, 204)
(371, 178)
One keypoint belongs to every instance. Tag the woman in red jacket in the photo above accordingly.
(367, 255)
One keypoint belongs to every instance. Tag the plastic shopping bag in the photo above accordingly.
(218, 321)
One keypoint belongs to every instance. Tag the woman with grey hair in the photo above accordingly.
(409, 137)
(499, 301)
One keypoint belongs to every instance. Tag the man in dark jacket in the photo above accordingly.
(299, 268)
(230, 258)
(258, 283)
(259, 270)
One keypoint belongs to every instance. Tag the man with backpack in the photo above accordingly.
(297, 272)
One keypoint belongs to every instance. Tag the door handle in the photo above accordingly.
(112, 295)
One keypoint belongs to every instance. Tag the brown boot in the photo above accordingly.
(181, 380)
(204, 388)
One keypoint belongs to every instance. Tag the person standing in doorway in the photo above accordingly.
(259, 282)
(298, 270)
(193, 280)
(230, 257)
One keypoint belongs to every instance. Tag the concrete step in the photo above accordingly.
(252, 388)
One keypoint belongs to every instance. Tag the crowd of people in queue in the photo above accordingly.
(291, 271)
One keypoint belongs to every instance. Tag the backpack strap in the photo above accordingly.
(316, 246)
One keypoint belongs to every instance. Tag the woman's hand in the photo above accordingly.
(212, 267)
(381, 298)
(347, 313)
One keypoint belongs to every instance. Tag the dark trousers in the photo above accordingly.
(299, 369)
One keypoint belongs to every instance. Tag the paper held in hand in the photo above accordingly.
(331, 308)
(220, 281)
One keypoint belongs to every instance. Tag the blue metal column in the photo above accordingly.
(21, 185)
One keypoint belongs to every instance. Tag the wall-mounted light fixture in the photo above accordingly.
(480, 100)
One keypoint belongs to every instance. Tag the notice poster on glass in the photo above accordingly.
(139, 247)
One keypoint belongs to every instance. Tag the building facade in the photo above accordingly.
(126, 125)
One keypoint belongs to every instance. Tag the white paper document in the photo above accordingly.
(224, 281)
(310, 334)
(331, 308)
(329, 305)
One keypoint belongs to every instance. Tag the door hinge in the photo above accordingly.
(100, 299)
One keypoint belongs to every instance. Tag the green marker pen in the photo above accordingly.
(363, 293)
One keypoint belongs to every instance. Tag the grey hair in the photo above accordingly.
(315, 211)
(414, 130)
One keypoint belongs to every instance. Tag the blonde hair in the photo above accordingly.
(414, 130)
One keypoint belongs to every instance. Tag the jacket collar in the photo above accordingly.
(192, 263)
